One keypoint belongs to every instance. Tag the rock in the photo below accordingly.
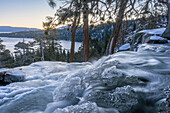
(168, 104)
(155, 40)
(83, 108)
(11, 75)
(69, 90)
(161, 105)
(122, 98)
(113, 77)
(2, 73)
(166, 34)
(88, 107)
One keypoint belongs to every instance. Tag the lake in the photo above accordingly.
(11, 42)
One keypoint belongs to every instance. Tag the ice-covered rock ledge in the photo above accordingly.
(126, 82)
(11, 75)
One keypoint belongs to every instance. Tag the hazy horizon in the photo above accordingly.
(24, 13)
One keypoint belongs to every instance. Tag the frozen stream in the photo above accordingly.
(127, 82)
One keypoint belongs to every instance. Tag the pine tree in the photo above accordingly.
(6, 59)
(71, 16)
(84, 8)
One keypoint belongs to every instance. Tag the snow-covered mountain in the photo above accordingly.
(16, 29)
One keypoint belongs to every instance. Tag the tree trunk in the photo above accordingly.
(118, 23)
(86, 33)
(117, 27)
(123, 40)
(74, 27)
(42, 50)
(166, 33)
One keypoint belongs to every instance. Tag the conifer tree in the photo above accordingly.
(6, 58)
(74, 10)
(69, 15)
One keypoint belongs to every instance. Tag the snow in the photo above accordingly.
(67, 45)
(156, 38)
(112, 84)
(63, 27)
(158, 48)
(11, 42)
(3, 70)
(158, 31)
(124, 47)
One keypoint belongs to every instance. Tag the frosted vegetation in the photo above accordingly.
(124, 82)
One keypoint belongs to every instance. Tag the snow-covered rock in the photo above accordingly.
(161, 105)
(155, 40)
(158, 31)
(83, 108)
(122, 98)
(152, 48)
(88, 107)
(125, 47)
(152, 36)
(11, 75)
(70, 90)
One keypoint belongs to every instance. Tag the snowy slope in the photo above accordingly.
(124, 82)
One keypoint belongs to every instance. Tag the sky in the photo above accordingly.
(24, 13)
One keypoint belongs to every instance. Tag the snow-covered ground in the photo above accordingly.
(123, 82)
(11, 42)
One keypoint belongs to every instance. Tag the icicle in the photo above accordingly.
(110, 47)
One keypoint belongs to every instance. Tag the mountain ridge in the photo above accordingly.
(16, 29)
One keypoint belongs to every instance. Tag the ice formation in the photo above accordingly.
(123, 82)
